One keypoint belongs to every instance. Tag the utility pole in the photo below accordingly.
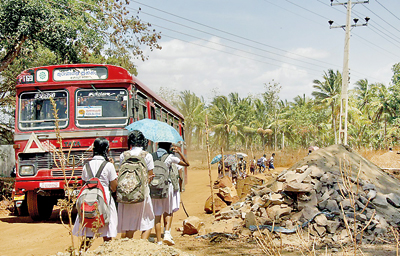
(345, 75)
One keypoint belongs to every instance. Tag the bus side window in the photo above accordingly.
(153, 112)
(165, 115)
(158, 113)
(182, 132)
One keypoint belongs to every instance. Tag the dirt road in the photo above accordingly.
(22, 236)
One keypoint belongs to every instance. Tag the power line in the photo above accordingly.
(330, 64)
(387, 10)
(237, 55)
(236, 49)
(219, 30)
(382, 18)
(228, 33)
(360, 15)
(227, 39)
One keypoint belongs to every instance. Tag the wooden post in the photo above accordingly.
(209, 166)
(223, 164)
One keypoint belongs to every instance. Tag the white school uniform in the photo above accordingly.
(171, 203)
(108, 174)
(138, 216)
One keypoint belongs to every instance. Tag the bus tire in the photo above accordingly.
(39, 207)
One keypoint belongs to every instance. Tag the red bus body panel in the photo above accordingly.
(75, 139)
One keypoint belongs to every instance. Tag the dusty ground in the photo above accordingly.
(22, 236)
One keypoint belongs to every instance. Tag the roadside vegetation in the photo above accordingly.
(265, 122)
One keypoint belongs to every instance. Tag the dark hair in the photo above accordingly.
(137, 139)
(273, 154)
(264, 155)
(165, 145)
(100, 147)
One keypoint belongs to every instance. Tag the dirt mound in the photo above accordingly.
(335, 157)
(323, 192)
(388, 160)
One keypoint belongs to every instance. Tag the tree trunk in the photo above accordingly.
(334, 122)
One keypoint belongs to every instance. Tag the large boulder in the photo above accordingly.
(244, 186)
(218, 203)
(192, 225)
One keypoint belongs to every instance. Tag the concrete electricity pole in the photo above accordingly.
(345, 75)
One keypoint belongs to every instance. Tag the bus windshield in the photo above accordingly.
(101, 107)
(36, 111)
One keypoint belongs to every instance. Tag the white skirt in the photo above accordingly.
(169, 204)
(139, 216)
(109, 230)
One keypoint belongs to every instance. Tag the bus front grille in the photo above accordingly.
(68, 173)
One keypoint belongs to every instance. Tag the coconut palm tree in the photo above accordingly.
(223, 119)
(382, 106)
(328, 92)
(193, 109)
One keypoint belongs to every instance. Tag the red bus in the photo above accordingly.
(93, 100)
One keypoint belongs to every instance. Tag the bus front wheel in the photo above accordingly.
(39, 207)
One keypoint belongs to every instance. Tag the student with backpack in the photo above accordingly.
(271, 162)
(135, 210)
(98, 169)
(166, 206)
(253, 164)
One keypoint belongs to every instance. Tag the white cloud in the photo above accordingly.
(308, 52)
(184, 66)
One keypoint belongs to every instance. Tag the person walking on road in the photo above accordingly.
(263, 162)
(167, 206)
(108, 179)
(137, 216)
(271, 162)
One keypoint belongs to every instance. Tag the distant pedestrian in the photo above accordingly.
(253, 164)
(263, 162)
(271, 162)
(220, 171)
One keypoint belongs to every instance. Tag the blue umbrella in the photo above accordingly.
(156, 131)
(216, 159)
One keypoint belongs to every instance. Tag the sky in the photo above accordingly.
(223, 46)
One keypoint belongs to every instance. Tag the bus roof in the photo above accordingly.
(52, 75)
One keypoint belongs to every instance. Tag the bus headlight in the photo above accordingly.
(27, 170)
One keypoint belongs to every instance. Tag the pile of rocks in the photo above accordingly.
(312, 194)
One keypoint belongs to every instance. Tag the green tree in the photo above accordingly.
(271, 99)
(193, 109)
(223, 120)
(364, 94)
(383, 108)
(328, 92)
(396, 74)
(74, 30)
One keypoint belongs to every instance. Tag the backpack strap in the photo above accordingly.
(103, 164)
(162, 158)
(90, 172)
